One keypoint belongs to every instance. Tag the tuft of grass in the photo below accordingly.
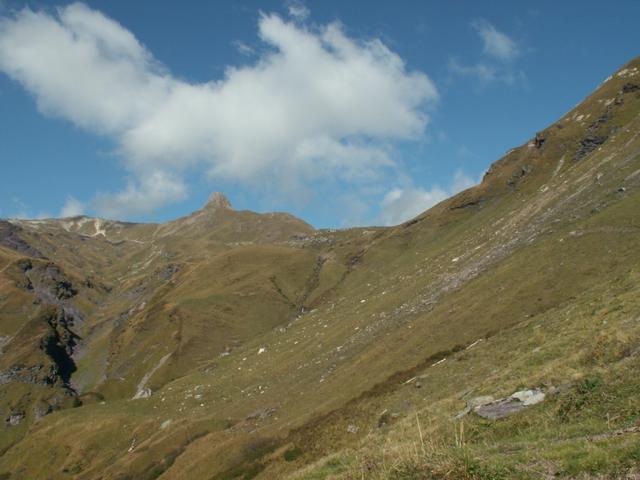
(292, 454)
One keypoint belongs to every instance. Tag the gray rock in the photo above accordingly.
(10, 238)
(144, 392)
(499, 409)
(529, 397)
(352, 429)
(474, 403)
(506, 407)
(15, 418)
(261, 414)
(589, 144)
(41, 409)
(462, 413)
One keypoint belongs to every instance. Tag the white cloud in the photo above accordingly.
(141, 196)
(24, 212)
(298, 10)
(402, 204)
(83, 67)
(72, 208)
(460, 182)
(484, 73)
(314, 104)
(497, 65)
(495, 43)
(244, 48)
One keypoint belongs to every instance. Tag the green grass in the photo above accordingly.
(522, 283)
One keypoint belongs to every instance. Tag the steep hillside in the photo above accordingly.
(236, 345)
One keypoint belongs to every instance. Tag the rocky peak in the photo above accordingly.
(218, 201)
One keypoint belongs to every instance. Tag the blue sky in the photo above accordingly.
(342, 113)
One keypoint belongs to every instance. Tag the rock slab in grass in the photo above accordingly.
(505, 407)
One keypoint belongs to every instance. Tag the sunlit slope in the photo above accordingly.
(265, 350)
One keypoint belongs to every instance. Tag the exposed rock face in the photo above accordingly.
(601, 120)
(261, 414)
(218, 201)
(144, 392)
(56, 341)
(10, 238)
(630, 87)
(15, 419)
(47, 281)
(588, 145)
(59, 344)
(36, 374)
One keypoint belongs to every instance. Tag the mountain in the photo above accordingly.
(494, 336)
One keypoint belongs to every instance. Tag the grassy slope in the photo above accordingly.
(532, 263)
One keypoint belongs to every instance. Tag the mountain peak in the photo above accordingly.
(217, 201)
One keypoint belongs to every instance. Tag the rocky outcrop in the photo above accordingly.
(59, 345)
(218, 201)
(589, 144)
(50, 286)
(519, 175)
(36, 374)
(505, 407)
(39, 355)
(539, 140)
(15, 418)
(630, 87)
(47, 281)
(10, 238)
(54, 339)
